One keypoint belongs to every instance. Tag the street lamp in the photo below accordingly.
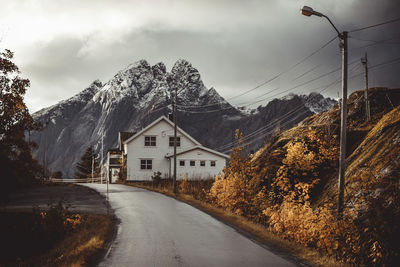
(308, 11)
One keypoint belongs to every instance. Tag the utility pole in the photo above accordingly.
(92, 168)
(308, 11)
(101, 163)
(175, 122)
(342, 159)
(364, 61)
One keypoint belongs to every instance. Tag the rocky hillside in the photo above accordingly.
(141, 93)
(372, 146)
(297, 172)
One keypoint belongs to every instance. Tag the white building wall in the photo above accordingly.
(137, 151)
(197, 171)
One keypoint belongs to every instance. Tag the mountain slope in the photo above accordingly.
(141, 93)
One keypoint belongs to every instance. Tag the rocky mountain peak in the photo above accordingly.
(96, 84)
(159, 70)
(317, 103)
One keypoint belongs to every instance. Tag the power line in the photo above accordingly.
(279, 119)
(375, 42)
(376, 25)
(281, 92)
(275, 77)
(306, 72)
(289, 69)
(262, 131)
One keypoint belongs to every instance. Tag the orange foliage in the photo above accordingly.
(237, 188)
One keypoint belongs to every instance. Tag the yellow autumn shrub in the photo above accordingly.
(237, 189)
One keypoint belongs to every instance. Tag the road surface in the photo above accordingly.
(157, 230)
(76, 198)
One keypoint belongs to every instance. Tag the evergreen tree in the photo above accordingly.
(84, 167)
(16, 163)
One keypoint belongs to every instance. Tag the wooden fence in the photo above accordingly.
(96, 180)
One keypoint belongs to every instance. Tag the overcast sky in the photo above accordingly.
(62, 46)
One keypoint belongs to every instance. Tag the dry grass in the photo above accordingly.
(82, 247)
(251, 229)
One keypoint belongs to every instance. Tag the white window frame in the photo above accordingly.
(178, 141)
(151, 142)
(146, 163)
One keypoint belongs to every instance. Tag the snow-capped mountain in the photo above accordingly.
(139, 94)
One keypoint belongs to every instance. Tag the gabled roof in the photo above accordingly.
(201, 148)
(122, 136)
(162, 118)
(125, 135)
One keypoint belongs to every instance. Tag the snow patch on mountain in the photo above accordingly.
(136, 96)
(317, 103)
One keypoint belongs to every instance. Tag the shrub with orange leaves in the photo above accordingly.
(184, 186)
(306, 160)
(71, 222)
(238, 189)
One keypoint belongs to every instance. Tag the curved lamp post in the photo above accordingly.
(308, 11)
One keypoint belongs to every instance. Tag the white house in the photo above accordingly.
(115, 158)
(151, 150)
(113, 164)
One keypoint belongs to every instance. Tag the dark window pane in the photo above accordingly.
(181, 163)
(212, 163)
(192, 163)
(146, 164)
(149, 141)
(202, 163)
(171, 141)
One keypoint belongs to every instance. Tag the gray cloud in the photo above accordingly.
(234, 45)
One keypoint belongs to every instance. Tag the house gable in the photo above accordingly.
(156, 122)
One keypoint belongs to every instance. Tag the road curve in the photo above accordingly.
(156, 230)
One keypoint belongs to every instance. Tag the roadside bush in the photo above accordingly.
(30, 234)
(238, 189)
(55, 222)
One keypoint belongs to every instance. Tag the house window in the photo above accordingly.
(149, 141)
(192, 163)
(181, 163)
(212, 163)
(202, 163)
(146, 164)
(171, 141)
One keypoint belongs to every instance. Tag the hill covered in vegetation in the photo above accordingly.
(290, 185)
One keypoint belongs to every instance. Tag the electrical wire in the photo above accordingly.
(289, 69)
(375, 43)
(277, 120)
(306, 72)
(276, 76)
(376, 25)
(280, 119)
(281, 92)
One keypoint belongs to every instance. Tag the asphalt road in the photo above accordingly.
(76, 198)
(156, 230)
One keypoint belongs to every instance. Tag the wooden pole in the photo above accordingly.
(364, 61)
(342, 159)
(175, 128)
